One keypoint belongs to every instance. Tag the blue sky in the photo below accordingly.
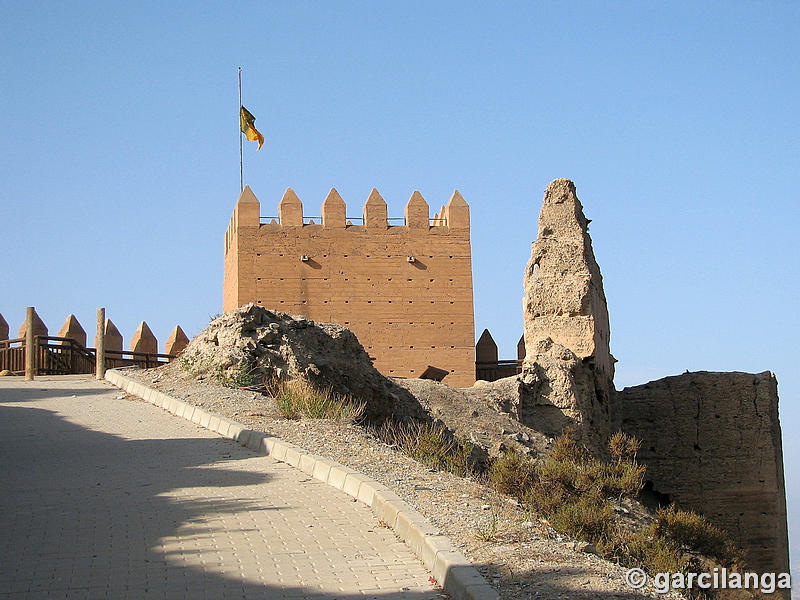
(677, 121)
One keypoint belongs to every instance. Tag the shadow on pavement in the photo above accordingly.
(30, 391)
(82, 513)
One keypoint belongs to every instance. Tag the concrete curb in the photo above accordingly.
(449, 567)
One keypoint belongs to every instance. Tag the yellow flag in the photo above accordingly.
(248, 124)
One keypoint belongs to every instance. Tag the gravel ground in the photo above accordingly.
(519, 554)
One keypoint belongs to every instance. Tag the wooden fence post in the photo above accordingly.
(30, 345)
(100, 342)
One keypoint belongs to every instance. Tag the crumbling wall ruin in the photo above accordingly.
(712, 442)
(564, 297)
(568, 364)
(262, 345)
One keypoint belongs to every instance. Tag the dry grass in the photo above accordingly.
(299, 398)
(431, 444)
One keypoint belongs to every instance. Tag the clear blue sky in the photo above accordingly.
(678, 122)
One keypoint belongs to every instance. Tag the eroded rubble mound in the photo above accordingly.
(253, 344)
(480, 416)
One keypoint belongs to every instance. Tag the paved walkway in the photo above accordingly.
(107, 497)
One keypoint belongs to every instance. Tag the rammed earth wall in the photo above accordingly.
(712, 442)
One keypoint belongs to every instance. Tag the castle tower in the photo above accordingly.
(404, 290)
(3, 328)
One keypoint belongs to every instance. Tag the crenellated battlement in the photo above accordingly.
(402, 285)
(333, 215)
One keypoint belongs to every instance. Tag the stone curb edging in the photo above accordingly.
(449, 567)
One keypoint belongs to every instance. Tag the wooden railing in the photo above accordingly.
(65, 356)
(62, 356)
(492, 371)
(127, 358)
(12, 356)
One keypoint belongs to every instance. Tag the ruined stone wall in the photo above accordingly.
(568, 365)
(712, 442)
(405, 291)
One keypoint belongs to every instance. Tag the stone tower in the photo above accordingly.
(405, 289)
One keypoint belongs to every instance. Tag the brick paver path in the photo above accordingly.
(107, 497)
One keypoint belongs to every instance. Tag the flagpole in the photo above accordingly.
(239, 112)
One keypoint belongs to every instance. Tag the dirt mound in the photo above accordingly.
(252, 345)
(475, 414)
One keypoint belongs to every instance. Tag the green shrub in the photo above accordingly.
(545, 499)
(240, 378)
(488, 531)
(512, 473)
(587, 517)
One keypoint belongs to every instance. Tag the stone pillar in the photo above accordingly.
(30, 343)
(567, 359)
(143, 340)
(333, 210)
(521, 348)
(564, 298)
(39, 328)
(375, 212)
(113, 338)
(176, 341)
(72, 330)
(417, 212)
(100, 345)
(290, 210)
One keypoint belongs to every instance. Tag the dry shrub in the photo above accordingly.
(623, 446)
(692, 531)
(588, 517)
(642, 549)
(566, 448)
(623, 478)
(300, 398)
